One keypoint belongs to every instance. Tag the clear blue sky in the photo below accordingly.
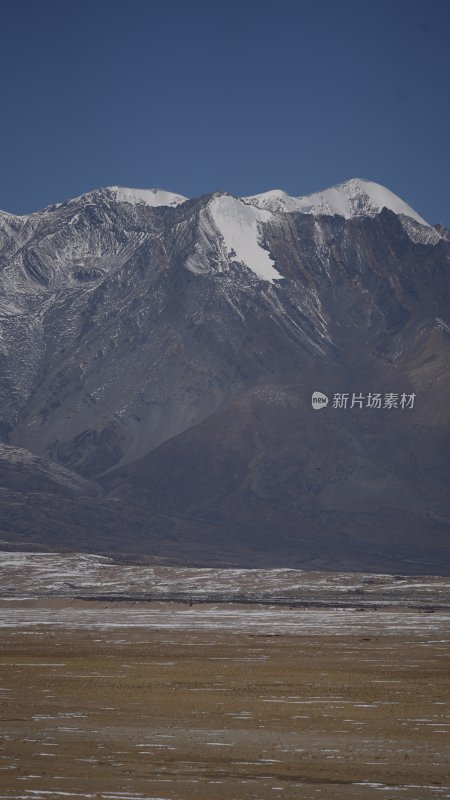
(240, 96)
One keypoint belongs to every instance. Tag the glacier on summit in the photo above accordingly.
(353, 198)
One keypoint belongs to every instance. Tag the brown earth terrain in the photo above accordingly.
(170, 702)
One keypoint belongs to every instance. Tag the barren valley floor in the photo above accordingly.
(127, 701)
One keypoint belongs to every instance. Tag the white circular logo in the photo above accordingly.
(319, 401)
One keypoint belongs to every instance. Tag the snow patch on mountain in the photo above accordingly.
(239, 225)
(148, 197)
(273, 200)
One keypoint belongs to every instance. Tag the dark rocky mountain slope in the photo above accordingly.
(157, 361)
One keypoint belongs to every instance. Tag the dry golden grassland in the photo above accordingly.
(356, 707)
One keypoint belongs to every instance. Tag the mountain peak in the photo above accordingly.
(148, 197)
(273, 200)
(171, 355)
(356, 197)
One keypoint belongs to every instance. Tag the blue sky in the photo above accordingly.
(239, 96)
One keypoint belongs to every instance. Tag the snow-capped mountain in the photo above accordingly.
(354, 198)
(154, 198)
(157, 360)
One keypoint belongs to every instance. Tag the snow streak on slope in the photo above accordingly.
(354, 198)
(239, 226)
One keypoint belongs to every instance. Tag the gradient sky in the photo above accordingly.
(240, 96)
